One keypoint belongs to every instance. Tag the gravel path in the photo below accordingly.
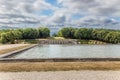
(61, 75)
(8, 46)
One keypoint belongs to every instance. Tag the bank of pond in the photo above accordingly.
(83, 35)
(66, 51)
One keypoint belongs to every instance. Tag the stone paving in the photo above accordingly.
(61, 75)
(9, 46)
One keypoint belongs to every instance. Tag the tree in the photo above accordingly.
(83, 33)
(4, 38)
(44, 32)
(67, 32)
(113, 37)
(30, 33)
(54, 35)
(9, 36)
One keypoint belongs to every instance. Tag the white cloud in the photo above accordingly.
(22, 11)
(17, 18)
(93, 12)
(93, 7)
(96, 21)
(24, 5)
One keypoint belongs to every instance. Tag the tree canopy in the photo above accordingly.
(9, 36)
(107, 35)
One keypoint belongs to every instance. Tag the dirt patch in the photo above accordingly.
(58, 66)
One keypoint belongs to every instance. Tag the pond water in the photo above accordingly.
(72, 51)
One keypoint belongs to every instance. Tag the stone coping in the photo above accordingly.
(59, 60)
(7, 58)
(16, 52)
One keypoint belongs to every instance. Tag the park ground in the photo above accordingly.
(92, 70)
(62, 75)
(58, 66)
(52, 66)
(6, 48)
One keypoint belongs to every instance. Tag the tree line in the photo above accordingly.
(106, 35)
(9, 36)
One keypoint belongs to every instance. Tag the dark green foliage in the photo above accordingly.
(10, 36)
(107, 35)
(67, 32)
(4, 38)
(30, 33)
(31, 41)
(54, 35)
(83, 33)
(113, 37)
(44, 32)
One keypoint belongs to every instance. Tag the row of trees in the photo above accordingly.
(107, 35)
(28, 33)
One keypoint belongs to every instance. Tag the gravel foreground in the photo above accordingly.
(8, 46)
(61, 75)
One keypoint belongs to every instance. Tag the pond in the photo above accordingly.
(71, 51)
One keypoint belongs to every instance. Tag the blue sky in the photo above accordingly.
(80, 13)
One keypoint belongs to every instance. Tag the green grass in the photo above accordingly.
(81, 41)
(59, 38)
(28, 41)
(31, 41)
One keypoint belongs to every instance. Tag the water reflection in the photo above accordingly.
(72, 51)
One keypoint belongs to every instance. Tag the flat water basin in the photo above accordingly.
(70, 51)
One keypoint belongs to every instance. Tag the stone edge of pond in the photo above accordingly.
(4, 56)
(7, 58)
(60, 60)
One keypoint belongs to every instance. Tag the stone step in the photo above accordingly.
(58, 42)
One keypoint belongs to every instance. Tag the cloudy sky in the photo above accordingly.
(87, 13)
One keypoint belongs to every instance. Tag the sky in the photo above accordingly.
(80, 13)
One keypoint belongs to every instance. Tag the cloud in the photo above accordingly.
(59, 17)
(93, 7)
(26, 6)
(17, 18)
(96, 21)
(22, 11)
(91, 12)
